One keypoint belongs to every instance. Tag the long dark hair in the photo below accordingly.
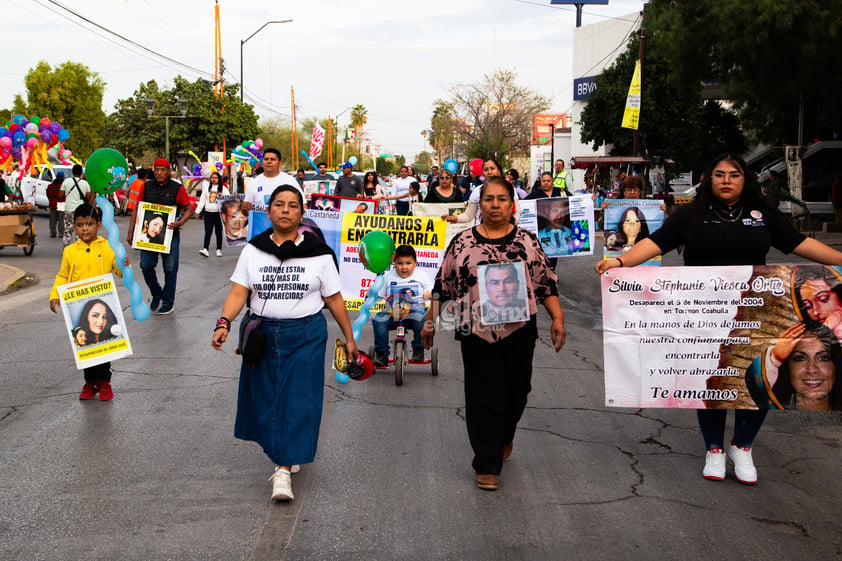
(373, 176)
(644, 226)
(782, 388)
(110, 321)
(751, 196)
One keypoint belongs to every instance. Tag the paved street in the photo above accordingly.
(156, 474)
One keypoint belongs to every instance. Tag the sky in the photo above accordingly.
(394, 57)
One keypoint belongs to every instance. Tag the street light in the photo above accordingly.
(150, 112)
(243, 42)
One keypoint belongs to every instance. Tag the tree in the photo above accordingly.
(674, 121)
(70, 94)
(441, 135)
(423, 162)
(494, 116)
(775, 60)
(385, 166)
(359, 118)
(210, 120)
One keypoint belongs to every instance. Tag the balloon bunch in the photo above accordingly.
(33, 142)
(377, 250)
(248, 154)
(106, 171)
(201, 171)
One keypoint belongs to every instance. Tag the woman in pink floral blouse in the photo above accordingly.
(492, 265)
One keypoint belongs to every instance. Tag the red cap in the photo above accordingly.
(161, 162)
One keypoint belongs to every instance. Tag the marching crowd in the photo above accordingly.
(492, 279)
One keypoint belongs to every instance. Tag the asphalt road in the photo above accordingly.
(156, 474)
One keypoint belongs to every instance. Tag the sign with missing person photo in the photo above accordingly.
(502, 293)
(743, 337)
(151, 232)
(94, 321)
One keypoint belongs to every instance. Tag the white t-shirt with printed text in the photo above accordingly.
(260, 188)
(292, 289)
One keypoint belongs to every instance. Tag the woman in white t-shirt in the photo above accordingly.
(212, 188)
(288, 277)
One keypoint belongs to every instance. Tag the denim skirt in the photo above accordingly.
(279, 404)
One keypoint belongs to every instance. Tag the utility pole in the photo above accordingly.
(641, 55)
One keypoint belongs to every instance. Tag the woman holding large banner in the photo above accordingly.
(490, 282)
(728, 223)
(289, 277)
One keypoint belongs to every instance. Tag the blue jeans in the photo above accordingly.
(402, 207)
(148, 263)
(382, 323)
(747, 423)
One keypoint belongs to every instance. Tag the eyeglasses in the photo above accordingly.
(721, 175)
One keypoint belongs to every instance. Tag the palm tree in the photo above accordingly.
(359, 117)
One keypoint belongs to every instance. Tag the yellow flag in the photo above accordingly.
(632, 113)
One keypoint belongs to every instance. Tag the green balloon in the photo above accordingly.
(377, 249)
(106, 171)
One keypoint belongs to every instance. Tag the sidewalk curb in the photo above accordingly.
(9, 277)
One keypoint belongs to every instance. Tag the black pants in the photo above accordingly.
(98, 373)
(498, 378)
(213, 223)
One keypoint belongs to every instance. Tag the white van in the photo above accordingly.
(34, 187)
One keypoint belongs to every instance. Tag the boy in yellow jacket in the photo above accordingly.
(89, 257)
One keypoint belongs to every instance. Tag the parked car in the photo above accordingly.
(34, 187)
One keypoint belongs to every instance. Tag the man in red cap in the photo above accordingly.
(164, 191)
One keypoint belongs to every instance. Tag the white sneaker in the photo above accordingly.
(219, 253)
(295, 469)
(743, 464)
(204, 252)
(281, 485)
(714, 465)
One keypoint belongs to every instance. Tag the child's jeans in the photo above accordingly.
(382, 323)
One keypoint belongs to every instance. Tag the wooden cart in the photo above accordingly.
(17, 229)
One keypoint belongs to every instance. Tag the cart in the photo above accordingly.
(17, 228)
(399, 359)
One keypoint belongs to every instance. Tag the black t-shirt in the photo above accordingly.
(539, 194)
(433, 196)
(348, 186)
(720, 243)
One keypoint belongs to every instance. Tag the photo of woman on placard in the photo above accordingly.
(806, 379)
(98, 322)
(154, 227)
(631, 228)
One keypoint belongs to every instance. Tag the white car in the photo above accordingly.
(34, 187)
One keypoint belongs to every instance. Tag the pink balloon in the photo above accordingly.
(6, 142)
(258, 142)
(31, 143)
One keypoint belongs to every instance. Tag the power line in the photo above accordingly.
(121, 37)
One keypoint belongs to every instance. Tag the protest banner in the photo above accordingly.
(437, 210)
(627, 221)
(151, 232)
(564, 225)
(723, 337)
(94, 321)
(426, 235)
(318, 187)
(235, 220)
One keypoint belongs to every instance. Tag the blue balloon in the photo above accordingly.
(362, 319)
(63, 135)
(353, 160)
(451, 165)
(140, 310)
